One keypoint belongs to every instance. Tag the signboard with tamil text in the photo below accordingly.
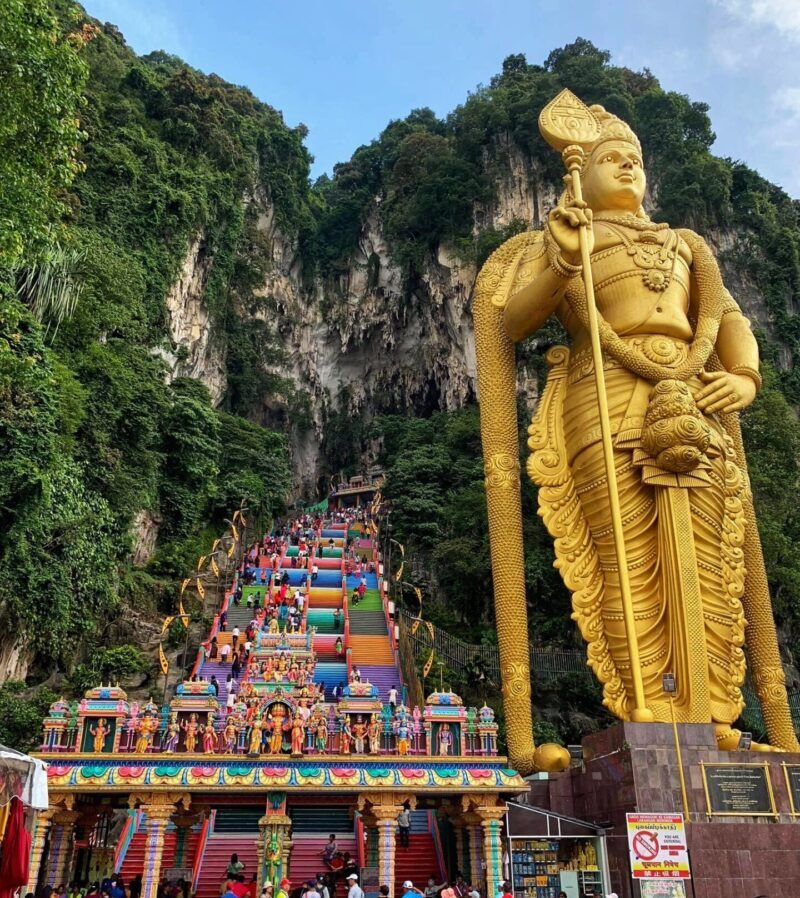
(657, 846)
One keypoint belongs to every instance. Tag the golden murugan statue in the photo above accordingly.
(641, 462)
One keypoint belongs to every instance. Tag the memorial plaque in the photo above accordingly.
(738, 790)
(792, 774)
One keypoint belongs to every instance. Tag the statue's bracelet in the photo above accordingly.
(563, 269)
(747, 371)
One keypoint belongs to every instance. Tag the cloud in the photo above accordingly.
(782, 15)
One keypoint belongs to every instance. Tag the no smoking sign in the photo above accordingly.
(657, 846)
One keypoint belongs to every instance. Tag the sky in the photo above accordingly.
(345, 68)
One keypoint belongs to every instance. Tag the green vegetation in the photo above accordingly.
(91, 431)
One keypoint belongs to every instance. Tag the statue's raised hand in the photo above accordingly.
(564, 223)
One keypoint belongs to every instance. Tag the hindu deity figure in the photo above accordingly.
(374, 734)
(445, 739)
(298, 735)
(359, 731)
(402, 733)
(345, 735)
(679, 363)
(190, 728)
(209, 737)
(172, 735)
(321, 735)
(256, 736)
(276, 725)
(145, 728)
(99, 733)
(229, 736)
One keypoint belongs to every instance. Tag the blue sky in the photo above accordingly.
(346, 67)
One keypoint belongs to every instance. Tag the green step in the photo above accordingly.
(370, 602)
(332, 553)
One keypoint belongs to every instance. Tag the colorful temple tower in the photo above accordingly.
(313, 738)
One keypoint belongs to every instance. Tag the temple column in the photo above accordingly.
(491, 818)
(183, 826)
(474, 834)
(274, 843)
(41, 828)
(61, 836)
(386, 824)
(156, 819)
(462, 852)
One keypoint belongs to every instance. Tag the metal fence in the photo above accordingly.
(546, 666)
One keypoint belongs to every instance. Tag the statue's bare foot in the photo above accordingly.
(728, 740)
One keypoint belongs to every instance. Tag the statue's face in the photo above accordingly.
(614, 178)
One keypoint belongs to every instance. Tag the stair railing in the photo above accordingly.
(126, 837)
(433, 828)
(202, 843)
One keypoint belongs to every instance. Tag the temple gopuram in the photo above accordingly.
(311, 733)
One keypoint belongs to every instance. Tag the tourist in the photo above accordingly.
(404, 826)
(235, 866)
(224, 652)
(432, 889)
(283, 888)
(507, 892)
(337, 619)
(116, 888)
(314, 571)
(339, 647)
(322, 887)
(393, 698)
(230, 701)
(213, 649)
(227, 890)
(355, 597)
(235, 638)
(311, 891)
(355, 890)
(410, 890)
(330, 850)
(267, 891)
(383, 891)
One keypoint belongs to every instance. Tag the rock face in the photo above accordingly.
(194, 352)
(361, 342)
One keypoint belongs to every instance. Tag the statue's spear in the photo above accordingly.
(568, 125)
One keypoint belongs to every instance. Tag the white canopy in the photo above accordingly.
(23, 776)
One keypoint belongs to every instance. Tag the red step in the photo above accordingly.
(305, 861)
(135, 855)
(219, 848)
(417, 862)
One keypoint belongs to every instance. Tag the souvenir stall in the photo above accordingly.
(23, 790)
(551, 853)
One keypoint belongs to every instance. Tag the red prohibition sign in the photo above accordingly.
(645, 845)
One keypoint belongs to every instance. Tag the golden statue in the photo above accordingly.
(639, 462)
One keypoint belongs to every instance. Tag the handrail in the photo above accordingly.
(199, 854)
(126, 837)
(433, 828)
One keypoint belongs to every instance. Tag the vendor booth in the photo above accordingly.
(550, 854)
(23, 789)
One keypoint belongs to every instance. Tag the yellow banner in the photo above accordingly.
(185, 583)
(183, 615)
(231, 549)
(215, 567)
(167, 622)
(200, 561)
(201, 590)
(214, 546)
(428, 665)
(234, 532)
(162, 660)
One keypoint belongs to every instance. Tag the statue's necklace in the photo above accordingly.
(656, 259)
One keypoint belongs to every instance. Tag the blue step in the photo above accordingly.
(296, 575)
(353, 580)
(330, 673)
(329, 579)
(419, 822)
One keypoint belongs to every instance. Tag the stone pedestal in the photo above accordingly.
(633, 767)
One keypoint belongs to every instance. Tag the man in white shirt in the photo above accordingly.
(354, 890)
(224, 651)
(235, 637)
(393, 698)
(300, 601)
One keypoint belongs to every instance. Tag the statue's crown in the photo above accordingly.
(612, 128)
